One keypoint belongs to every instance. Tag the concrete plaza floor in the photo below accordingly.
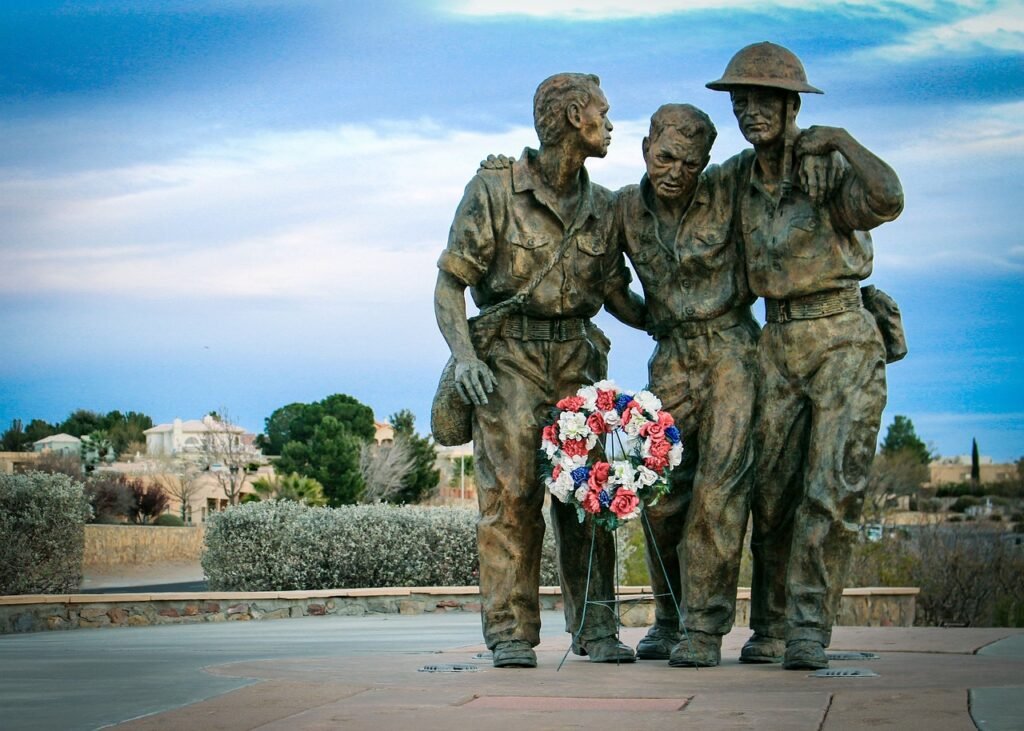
(367, 672)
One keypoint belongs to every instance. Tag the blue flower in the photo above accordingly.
(605, 498)
(672, 434)
(580, 475)
(621, 401)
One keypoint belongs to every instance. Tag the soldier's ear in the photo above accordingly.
(646, 147)
(574, 113)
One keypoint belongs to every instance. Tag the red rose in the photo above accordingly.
(598, 476)
(655, 463)
(556, 472)
(665, 420)
(596, 423)
(605, 400)
(652, 430)
(591, 502)
(627, 413)
(659, 448)
(550, 434)
(574, 448)
(570, 403)
(624, 502)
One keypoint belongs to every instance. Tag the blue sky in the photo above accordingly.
(208, 205)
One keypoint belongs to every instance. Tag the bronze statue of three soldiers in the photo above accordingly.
(778, 424)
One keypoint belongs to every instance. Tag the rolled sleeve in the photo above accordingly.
(851, 209)
(471, 241)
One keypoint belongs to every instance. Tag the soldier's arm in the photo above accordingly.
(623, 303)
(471, 246)
(875, 187)
(473, 379)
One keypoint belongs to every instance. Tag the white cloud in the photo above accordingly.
(593, 10)
(999, 29)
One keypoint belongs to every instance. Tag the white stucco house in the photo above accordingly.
(59, 444)
(188, 437)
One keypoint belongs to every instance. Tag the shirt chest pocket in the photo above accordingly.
(589, 260)
(801, 236)
(710, 246)
(528, 249)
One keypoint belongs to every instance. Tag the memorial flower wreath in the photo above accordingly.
(614, 481)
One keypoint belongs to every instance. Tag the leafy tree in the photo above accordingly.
(81, 423)
(901, 436)
(126, 429)
(14, 439)
(331, 457)
(38, 429)
(292, 487)
(423, 478)
(297, 422)
(147, 503)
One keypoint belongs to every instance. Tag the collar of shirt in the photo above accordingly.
(526, 177)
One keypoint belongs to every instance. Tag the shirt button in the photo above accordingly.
(690, 310)
(687, 284)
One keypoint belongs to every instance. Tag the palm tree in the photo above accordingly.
(295, 487)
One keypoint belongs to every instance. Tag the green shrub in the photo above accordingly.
(282, 545)
(42, 534)
(169, 519)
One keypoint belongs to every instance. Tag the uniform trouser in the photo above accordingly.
(531, 376)
(821, 400)
(695, 533)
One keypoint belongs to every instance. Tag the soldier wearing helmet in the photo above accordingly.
(821, 356)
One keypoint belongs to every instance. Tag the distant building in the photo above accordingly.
(954, 470)
(188, 437)
(59, 444)
(384, 433)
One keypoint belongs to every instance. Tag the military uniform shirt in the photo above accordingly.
(506, 230)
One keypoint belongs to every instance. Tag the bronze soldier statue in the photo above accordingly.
(539, 235)
(821, 354)
(676, 228)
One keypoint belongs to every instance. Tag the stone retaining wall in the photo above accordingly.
(869, 607)
(118, 545)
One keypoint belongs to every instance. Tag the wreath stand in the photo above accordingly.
(680, 610)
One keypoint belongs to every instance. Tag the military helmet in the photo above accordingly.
(764, 64)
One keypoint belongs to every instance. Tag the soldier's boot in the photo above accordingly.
(697, 650)
(804, 655)
(762, 649)
(657, 644)
(604, 649)
(514, 654)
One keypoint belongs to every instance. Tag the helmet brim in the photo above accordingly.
(728, 83)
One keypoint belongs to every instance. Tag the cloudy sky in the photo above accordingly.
(238, 204)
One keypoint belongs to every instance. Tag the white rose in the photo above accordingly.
(572, 425)
(589, 396)
(649, 402)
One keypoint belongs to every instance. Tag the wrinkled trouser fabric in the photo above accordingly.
(708, 383)
(531, 376)
(821, 400)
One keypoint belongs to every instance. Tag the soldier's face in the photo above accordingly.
(760, 112)
(595, 127)
(674, 163)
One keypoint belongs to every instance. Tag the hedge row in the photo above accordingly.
(42, 533)
(281, 546)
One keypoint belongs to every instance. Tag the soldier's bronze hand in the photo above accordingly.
(820, 175)
(501, 162)
(473, 381)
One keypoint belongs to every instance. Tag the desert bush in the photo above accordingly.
(42, 534)
(147, 502)
(967, 577)
(111, 497)
(169, 520)
(283, 545)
